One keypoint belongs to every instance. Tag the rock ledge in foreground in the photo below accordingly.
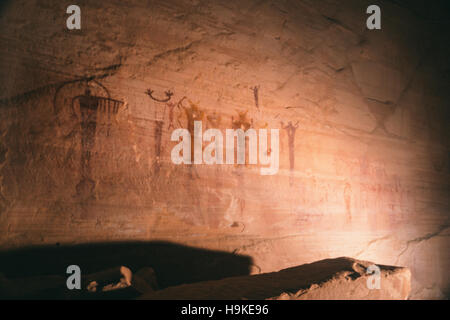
(340, 278)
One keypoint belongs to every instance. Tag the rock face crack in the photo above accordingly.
(35, 93)
(371, 242)
(423, 238)
(339, 23)
(170, 52)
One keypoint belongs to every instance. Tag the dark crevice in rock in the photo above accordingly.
(423, 238)
(32, 94)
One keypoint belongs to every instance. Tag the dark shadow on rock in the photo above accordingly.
(173, 264)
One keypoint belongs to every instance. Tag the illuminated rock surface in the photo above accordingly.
(364, 165)
(330, 279)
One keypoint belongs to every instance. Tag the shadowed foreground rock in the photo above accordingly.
(340, 278)
(113, 283)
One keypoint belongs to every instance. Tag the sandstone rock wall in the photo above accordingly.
(364, 168)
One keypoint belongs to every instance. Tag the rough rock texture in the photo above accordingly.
(365, 174)
(115, 282)
(330, 279)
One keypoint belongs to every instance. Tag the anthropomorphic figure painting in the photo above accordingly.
(88, 110)
(159, 123)
(193, 113)
(241, 122)
(172, 106)
(348, 200)
(290, 130)
(255, 90)
(214, 120)
(259, 120)
(89, 107)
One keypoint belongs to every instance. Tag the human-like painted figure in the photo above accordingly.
(89, 105)
(171, 107)
(88, 110)
(290, 129)
(242, 122)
